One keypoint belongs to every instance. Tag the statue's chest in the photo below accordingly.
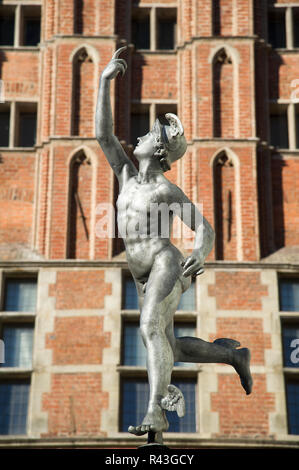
(138, 197)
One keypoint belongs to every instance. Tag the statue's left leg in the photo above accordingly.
(162, 296)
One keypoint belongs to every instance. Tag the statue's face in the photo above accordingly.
(145, 146)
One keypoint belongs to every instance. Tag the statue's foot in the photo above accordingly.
(154, 420)
(241, 362)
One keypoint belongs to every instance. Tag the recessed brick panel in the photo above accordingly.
(249, 332)
(75, 405)
(241, 414)
(80, 290)
(78, 340)
(238, 290)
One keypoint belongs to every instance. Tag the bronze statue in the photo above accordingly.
(160, 272)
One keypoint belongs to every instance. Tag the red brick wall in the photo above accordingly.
(80, 290)
(17, 175)
(78, 340)
(75, 405)
(238, 290)
(285, 174)
(240, 414)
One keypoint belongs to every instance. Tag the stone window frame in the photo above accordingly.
(292, 110)
(153, 20)
(191, 371)
(19, 8)
(19, 317)
(153, 108)
(289, 24)
(287, 318)
(14, 106)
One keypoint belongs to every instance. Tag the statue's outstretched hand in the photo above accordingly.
(192, 266)
(115, 66)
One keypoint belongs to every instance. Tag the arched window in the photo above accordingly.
(83, 94)
(223, 95)
(80, 201)
(225, 209)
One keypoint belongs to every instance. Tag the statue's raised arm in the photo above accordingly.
(115, 154)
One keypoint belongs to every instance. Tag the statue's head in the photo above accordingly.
(165, 142)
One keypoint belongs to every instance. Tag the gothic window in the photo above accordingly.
(79, 207)
(225, 207)
(83, 94)
(223, 95)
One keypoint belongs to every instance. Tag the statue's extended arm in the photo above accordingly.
(112, 149)
(204, 235)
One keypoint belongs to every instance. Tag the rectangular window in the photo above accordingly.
(292, 392)
(18, 343)
(188, 300)
(4, 125)
(296, 27)
(130, 297)
(162, 109)
(26, 124)
(30, 25)
(289, 294)
(14, 397)
(7, 25)
(166, 28)
(134, 351)
(140, 122)
(279, 127)
(20, 295)
(141, 28)
(135, 393)
(277, 28)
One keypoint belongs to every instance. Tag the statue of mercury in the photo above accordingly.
(160, 271)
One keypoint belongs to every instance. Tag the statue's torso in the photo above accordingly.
(145, 229)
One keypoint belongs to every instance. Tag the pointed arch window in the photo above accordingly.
(223, 95)
(80, 199)
(225, 207)
(83, 94)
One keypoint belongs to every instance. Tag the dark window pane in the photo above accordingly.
(139, 126)
(141, 33)
(289, 295)
(18, 341)
(166, 32)
(135, 395)
(31, 31)
(4, 128)
(134, 349)
(14, 397)
(20, 295)
(187, 301)
(276, 29)
(293, 406)
(296, 28)
(134, 353)
(290, 339)
(130, 295)
(279, 130)
(7, 25)
(27, 129)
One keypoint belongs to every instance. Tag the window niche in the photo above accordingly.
(223, 95)
(83, 94)
(80, 199)
(225, 207)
